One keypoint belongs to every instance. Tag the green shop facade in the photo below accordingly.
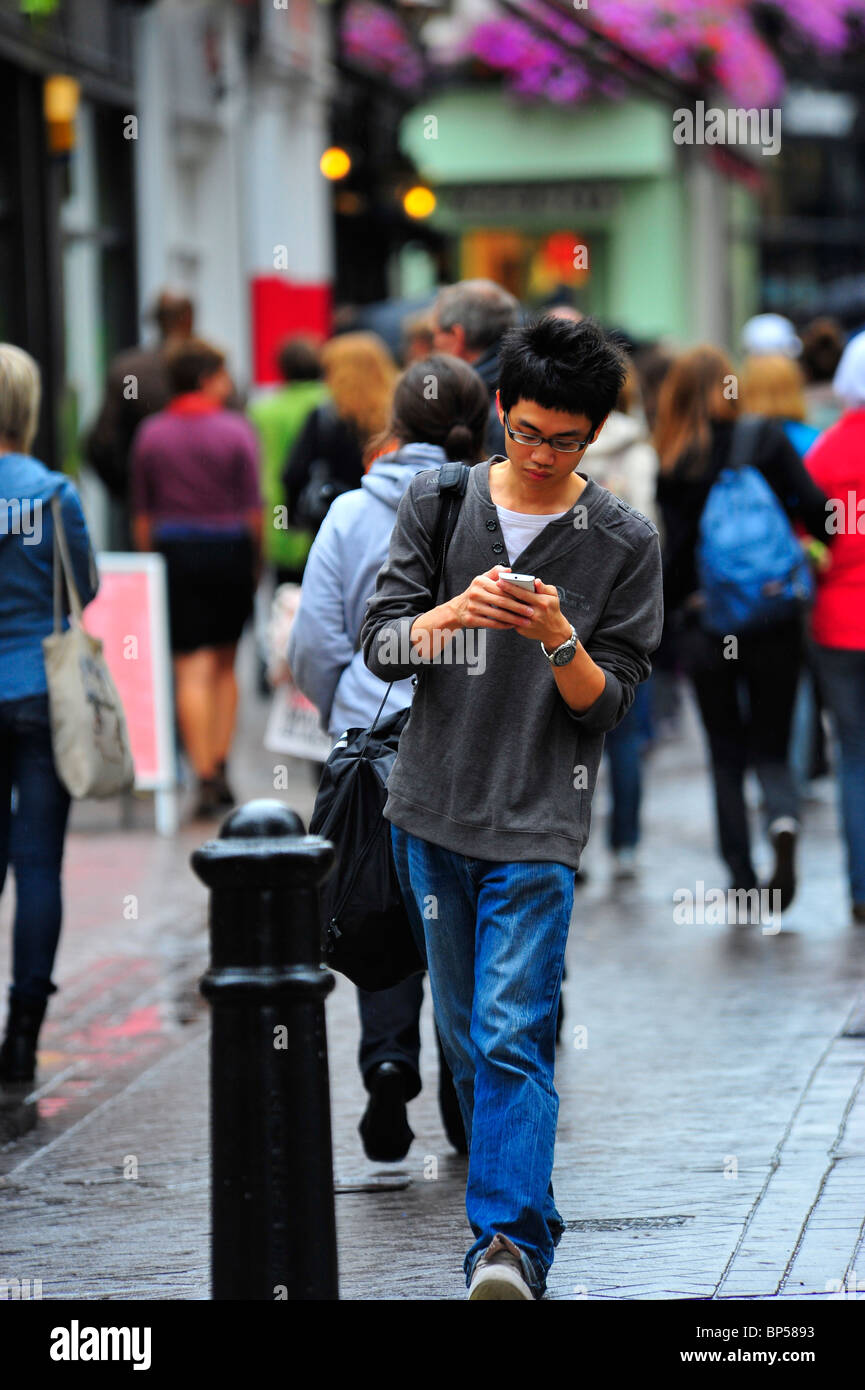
(655, 238)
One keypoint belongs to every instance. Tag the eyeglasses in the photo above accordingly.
(560, 446)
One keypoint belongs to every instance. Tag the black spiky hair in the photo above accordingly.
(573, 367)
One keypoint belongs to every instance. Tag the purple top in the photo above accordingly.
(200, 469)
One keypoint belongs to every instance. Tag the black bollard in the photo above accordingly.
(274, 1231)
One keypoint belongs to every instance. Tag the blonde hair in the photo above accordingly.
(360, 375)
(20, 394)
(774, 385)
(691, 397)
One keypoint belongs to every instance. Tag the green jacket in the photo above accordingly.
(278, 417)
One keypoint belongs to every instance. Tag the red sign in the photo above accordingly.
(280, 308)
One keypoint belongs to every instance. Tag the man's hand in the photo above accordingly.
(547, 622)
(485, 604)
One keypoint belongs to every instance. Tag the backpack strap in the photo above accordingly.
(746, 436)
(453, 479)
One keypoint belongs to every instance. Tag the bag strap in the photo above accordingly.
(62, 565)
(746, 434)
(453, 478)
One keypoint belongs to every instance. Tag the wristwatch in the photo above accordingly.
(560, 656)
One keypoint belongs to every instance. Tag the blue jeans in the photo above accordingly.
(842, 681)
(31, 838)
(624, 748)
(495, 936)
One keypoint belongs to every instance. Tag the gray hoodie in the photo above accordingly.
(493, 763)
(351, 545)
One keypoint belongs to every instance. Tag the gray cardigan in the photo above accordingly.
(493, 763)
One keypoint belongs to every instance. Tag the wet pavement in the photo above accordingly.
(712, 1123)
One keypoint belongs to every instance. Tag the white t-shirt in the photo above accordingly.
(520, 528)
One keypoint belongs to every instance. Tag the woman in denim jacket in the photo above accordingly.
(33, 828)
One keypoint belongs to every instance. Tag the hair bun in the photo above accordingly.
(458, 441)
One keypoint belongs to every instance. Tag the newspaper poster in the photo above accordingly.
(293, 726)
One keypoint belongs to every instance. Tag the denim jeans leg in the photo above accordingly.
(623, 746)
(523, 916)
(399, 843)
(5, 790)
(36, 837)
(842, 681)
(496, 936)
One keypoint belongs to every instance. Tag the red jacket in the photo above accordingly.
(836, 462)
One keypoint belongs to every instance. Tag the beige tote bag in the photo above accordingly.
(88, 726)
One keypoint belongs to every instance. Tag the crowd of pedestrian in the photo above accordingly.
(670, 508)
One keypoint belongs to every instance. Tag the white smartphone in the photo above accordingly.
(522, 581)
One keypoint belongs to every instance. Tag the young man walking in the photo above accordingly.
(490, 796)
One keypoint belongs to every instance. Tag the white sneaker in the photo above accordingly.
(499, 1273)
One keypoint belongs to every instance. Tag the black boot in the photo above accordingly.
(783, 834)
(449, 1106)
(384, 1129)
(209, 804)
(18, 1053)
(224, 792)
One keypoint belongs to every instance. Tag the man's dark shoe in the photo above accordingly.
(18, 1052)
(384, 1129)
(858, 914)
(782, 834)
(449, 1106)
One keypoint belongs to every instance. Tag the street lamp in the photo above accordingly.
(335, 163)
(419, 201)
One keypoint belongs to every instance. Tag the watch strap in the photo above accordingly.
(573, 639)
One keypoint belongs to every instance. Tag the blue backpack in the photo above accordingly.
(752, 569)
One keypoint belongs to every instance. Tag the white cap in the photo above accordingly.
(849, 382)
(770, 333)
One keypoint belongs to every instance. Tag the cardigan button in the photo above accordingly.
(491, 526)
(498, 548)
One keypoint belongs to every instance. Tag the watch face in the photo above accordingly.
(563, 657)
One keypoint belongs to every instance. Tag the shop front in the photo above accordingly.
(597, 202)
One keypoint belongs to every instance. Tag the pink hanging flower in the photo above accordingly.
(374, 39)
